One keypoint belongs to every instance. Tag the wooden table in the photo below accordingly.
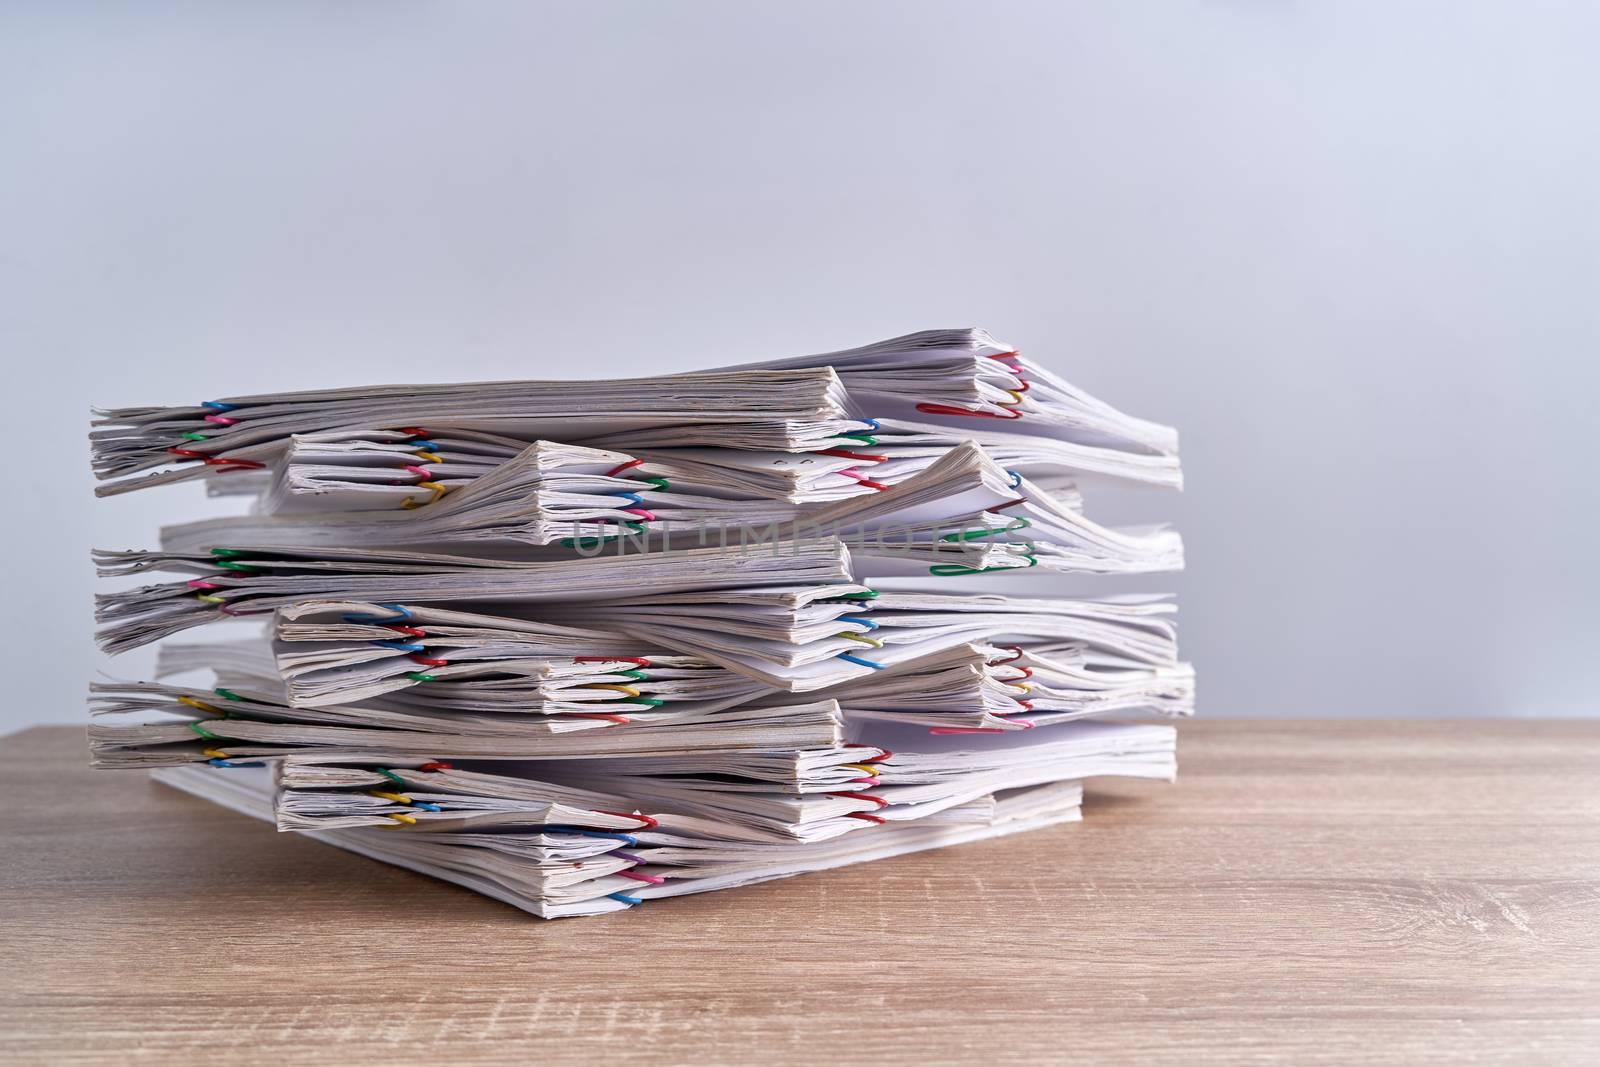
(1316, 891)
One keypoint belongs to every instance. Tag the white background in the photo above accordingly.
(1349, 248)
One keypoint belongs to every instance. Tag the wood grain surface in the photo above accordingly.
(1315, 892)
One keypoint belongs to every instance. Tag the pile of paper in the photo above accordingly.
(584, 644)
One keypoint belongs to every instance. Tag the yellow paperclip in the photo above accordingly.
(202, 705)
(1016, 395)
(864, 768)
(865, 640)
(210, 599)
(412, 502)
(214, 753)
(431, 457)
(402, 819)
(398, 798)
(628, 689)
(1024, 686)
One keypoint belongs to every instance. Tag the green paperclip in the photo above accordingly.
(227, 694)
(955, 570)
(1018, 523)
(865, 439)
(870, 594)
(393, 777)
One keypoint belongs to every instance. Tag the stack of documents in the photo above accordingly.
(584, 644)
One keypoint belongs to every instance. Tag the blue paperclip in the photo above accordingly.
(401, 614)
(627, 839)
(863, 662)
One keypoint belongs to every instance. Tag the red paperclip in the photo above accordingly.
(412, 630)
(218, 461)
(619, 468)
(882, 803)
(946, 409)
(1002, 357)
(947, 730)
(649, 823)
(863, 479)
